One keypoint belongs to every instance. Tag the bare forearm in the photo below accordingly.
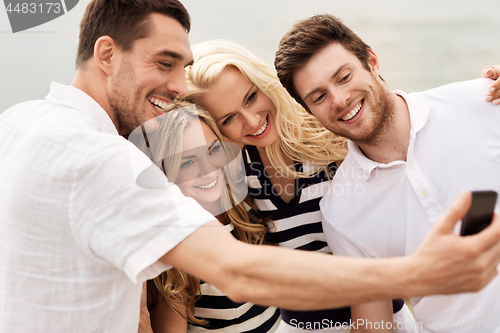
(445, 263)
(287, 278)
(306, 281)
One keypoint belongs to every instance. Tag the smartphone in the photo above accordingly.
(480, 212)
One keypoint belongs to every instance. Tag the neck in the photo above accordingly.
(93, 83)
(392, 144)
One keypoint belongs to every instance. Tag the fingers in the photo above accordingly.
(493, 72)
(455, 212)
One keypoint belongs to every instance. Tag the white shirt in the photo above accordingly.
(77, 235)
(384, 210)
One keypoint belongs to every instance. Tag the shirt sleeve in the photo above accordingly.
(125, 224)
(339, 243)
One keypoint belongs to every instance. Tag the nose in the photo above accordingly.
(251, 119)
(206, 165)
(177, 82)
(341, 97)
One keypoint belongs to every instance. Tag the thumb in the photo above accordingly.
(454, 213)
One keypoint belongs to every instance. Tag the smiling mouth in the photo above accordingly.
(209, 185)
(354, 112)
(161, 106)
(261, 129)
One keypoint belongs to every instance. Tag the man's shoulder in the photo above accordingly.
(56, 125)
(463, 89)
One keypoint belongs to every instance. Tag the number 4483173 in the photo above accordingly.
(25, 8)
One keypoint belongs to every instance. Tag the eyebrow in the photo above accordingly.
(333, 76)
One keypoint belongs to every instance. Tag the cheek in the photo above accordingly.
(184, 180)
(232, 131)
(184, 187)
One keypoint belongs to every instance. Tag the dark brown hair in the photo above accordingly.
(123, 20)
(308, 37)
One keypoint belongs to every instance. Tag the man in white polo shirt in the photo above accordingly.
(409, 156)
(78, 236)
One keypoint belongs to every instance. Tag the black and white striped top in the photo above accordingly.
(297, 224)
(224, 315)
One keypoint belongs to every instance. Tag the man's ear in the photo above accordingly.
(373, 63)
(105, 54)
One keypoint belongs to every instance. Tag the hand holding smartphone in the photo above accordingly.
(480, 212)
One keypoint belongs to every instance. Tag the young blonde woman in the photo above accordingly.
(190, 150)
(289, 157)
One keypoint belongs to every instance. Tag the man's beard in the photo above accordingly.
(126, 117)
(382, 110)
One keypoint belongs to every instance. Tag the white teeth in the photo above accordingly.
(262, 129)
(212, 184)
(159, 104)
(353, 112)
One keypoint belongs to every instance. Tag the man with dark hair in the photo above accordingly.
(78, 236)
(409, 156)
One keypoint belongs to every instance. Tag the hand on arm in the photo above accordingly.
(493, 72)
(368, 316)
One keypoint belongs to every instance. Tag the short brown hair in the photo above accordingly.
(123, 20)
(308, 37)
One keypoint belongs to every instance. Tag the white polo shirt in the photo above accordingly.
(384, 210)
(77, 235)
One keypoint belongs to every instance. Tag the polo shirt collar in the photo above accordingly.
(419, 114)
(365, 164)
(74, 98)
(419, 110)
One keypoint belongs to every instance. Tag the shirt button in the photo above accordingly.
(409, 167)
(424, 194)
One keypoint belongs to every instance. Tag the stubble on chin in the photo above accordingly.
(382, 111)
(120, 96)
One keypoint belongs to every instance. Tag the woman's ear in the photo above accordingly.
(105, 53)
(373, 63)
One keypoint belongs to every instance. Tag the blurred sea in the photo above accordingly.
(421, 44)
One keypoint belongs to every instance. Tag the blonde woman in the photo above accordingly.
(289, 156)
(191, 151)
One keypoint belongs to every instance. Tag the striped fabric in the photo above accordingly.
(223, 315)
(297, 223)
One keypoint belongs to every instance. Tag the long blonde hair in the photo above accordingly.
(174, 287)
(301, 137)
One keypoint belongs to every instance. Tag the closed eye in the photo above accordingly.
(165, 65)
(228, 119)
(319, 98)
(346, 78)
(251, 98)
